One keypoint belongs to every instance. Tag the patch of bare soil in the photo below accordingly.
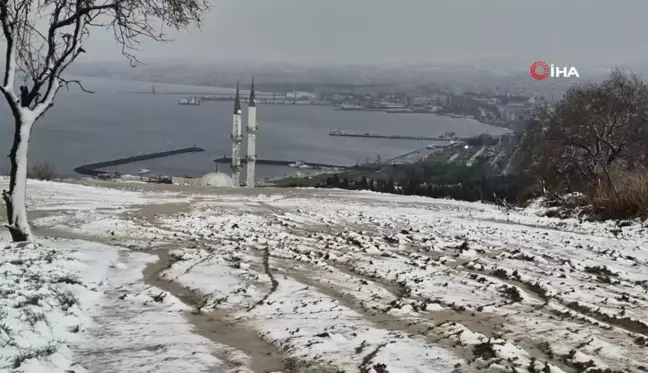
(151, 212)
(218, 326)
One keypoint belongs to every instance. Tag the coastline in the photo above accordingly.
(150, 81)
(333, 105)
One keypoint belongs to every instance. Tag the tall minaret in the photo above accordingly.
(237, 138)
(251, 135)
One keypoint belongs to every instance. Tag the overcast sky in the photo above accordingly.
(565, 32)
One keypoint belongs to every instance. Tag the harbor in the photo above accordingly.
(196, 98)
(268, 100)
(163, 125)
(294, 164)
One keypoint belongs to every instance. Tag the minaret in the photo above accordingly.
(237, 138)
(251, 135)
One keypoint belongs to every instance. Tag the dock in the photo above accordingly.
(394, 137)
(93, 169)
(281, 163)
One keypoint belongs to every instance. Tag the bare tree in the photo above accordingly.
(42, 39)
(591, 138)
(44, 171)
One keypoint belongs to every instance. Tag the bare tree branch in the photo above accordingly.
(42, 39)
(77, 82)
(41, 54)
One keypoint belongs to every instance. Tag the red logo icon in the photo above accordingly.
(544, 70)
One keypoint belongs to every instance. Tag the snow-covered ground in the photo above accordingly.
(331, 281)
(79, 306)
(42, 306)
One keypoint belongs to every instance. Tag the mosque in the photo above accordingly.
(219, 179)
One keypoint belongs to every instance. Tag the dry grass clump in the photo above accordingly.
(629, 200)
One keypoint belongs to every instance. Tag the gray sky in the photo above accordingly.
(565, 32)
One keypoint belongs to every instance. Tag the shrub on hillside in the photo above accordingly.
(629, 200)
(43, 171)
(594, 141)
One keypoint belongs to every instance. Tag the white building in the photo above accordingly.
(487, 100)
(515, 113)
(517, 104)
(212, 179)
(301, 95)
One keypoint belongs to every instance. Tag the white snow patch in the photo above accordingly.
(45, 295)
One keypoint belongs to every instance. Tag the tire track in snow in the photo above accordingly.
(268, 272)
(584, 314)
(134, 332)
(366, 367)
(423, 324)
(214, 325)
(446, 233)
(402, 291)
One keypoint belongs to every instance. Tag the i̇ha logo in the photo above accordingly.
(541, 70)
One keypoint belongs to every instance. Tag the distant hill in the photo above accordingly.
(226, 74)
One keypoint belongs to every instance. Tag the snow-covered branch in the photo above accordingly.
(39, 57)
(10, 55)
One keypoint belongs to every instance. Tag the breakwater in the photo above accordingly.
(282, 163)
(93, 169)
(395, 137)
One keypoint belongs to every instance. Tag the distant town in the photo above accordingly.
(504, 110)
(500, 99)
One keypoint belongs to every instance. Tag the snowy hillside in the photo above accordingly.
(318, 281)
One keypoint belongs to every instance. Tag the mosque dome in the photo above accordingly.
(216, 179)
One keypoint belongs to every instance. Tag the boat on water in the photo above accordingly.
(399, 110)
(336, 132)
(189, 101)
(300, 164)
(143, 171)
(352, 107)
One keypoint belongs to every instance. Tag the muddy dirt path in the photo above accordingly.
(216, 325)
(291, 245)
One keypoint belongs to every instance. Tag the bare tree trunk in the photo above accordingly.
(15, 198)
(614, 188)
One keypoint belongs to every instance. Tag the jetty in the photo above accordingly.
(395, 137)
(93, 169)
(282, 163)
